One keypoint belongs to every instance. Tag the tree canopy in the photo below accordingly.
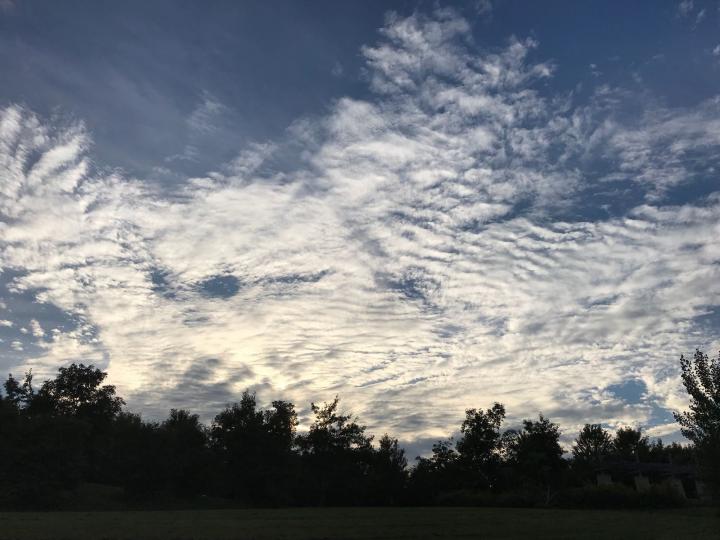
(74, 429)
(701, 423)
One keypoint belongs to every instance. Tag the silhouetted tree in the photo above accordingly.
(338, 454)
(593, 444)
(254, 447)
(479, 444)
(72, 430)
(440, 473)
(281, 472)
(388, 472)
(20, 394)
(136, 457)
(40, 456)
(630, 445)
(675, 453)
(535, 453)
(701, 424)
(78, 391)
(185, 447)
(281, 422)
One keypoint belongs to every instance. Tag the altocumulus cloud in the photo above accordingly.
(460, 237)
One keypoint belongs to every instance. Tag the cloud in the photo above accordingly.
(205, 121)
(435, 246)
(685, 8)
(666, 147)
(204, 118)
(483, 8)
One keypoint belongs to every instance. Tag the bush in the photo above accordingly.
(619, 497)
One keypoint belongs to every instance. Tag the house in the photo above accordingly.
(641, 476)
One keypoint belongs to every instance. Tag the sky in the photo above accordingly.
(421, 207)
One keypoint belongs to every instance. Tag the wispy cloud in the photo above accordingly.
(424, 254)
(207, 119)
(686, 7)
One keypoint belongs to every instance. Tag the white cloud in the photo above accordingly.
(419, 261)
(36, 329)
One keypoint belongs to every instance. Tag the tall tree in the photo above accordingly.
(592, 444)
(388, 471)
(40, 455)
(333, 431)
(78, 391)
(20, 394)
(339, 455)
(630, 445)
(535, 452)
(479, 444)
(254, 448)
(701, 424)
(185, 445)
(434, 475)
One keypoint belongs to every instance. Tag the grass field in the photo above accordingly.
(363, 523)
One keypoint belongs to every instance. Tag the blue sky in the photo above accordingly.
(420, 206)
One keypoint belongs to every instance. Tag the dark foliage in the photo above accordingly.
(593, 444)
(629, 444)
(71, 437)
(701, 424)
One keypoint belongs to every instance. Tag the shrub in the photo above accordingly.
(619, 496)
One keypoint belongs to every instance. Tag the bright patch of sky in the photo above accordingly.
(418, 207)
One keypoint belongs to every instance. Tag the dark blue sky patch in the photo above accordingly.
(413, 284)
(220, 286)
(708, 325)
(133, 75)
(695, 191)
(631, 391)
(161, 283)
(661, 415)
(598, 201)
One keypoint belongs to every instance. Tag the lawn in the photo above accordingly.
(363, 523)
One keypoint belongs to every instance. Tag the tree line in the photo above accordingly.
(73, 430)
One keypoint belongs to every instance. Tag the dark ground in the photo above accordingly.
(364, 523)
